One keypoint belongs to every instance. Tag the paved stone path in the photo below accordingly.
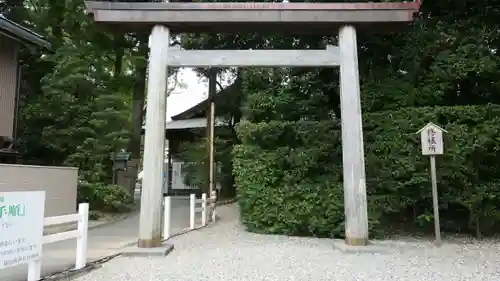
(224, 251)
(103, 241)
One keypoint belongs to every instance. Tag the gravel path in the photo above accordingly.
(224, 252)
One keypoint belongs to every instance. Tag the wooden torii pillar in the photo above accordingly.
(296, 18)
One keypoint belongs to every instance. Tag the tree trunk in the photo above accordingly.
(134, 145)
(119, 50)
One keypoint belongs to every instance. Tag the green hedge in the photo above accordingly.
(104, 197)
(289, 174)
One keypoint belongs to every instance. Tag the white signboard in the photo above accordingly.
(178, 176)
(431, 138)
(21, 227)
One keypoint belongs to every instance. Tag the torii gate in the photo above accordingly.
(324, 18)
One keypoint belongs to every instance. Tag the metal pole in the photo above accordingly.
(212, 148)
(212, 89)
(435, 203)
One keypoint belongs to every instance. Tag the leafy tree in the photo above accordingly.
(75, 105)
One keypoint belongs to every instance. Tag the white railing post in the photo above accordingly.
(204, 209)
(192, 210)
(81, 235)
(213, 203)
(167, 212)
(35, 269)
(81, 240)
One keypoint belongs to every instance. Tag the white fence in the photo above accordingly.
(200, 206)
(81, 235)
(167, 217)
(197, 206)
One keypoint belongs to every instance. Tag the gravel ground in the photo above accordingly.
(225, 252)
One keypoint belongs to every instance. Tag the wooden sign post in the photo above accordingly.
(431, 138)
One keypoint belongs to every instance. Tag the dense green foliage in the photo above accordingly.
(76, 99)
(289, 174)
(106, 198)
(84, 98)
(444, 69)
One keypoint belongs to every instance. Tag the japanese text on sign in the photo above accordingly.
(431, 139)
(21, 227)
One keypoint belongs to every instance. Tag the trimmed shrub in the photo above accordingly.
(289, 174)
(104, 197)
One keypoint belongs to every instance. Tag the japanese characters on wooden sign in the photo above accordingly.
(431, 138)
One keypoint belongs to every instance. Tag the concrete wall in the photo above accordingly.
(59, 184)
(8, 84)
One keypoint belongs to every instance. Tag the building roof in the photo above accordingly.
(201, 107)
(187, 124)
(21, 33)
(194, 117)
(191, 123)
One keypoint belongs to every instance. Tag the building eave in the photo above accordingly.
(200, 107)
(22, 34)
